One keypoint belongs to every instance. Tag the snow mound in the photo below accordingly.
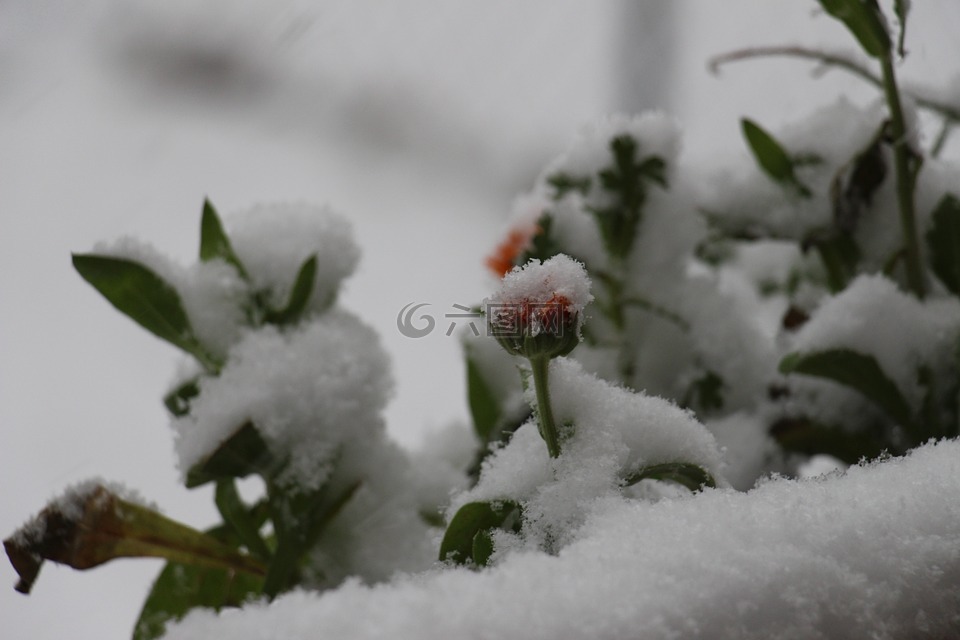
(871, 553)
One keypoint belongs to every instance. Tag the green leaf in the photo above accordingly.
(177, 401)
(626, 179)
(458, 541)
(943, 240)
(240, 455)
(144, 297)
(804, 436)
(484, 405)
(182, 587)
(840, 256)
(299, 295)
(856, 371)
(299, 521)
(865, 21)
(482, 547)
(691, 476)
(237, 515)
(214, 243)
(771, 156)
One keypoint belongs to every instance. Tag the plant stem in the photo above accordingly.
(906, 167)
(548, 427)
(834, 60)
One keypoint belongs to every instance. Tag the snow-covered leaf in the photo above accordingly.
(299, 295)
(143, 296)
(857, 371)
(214, 243)
(691, 476)
(242, 454)
(802, 435)
(460, 540)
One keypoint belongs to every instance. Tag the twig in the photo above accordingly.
(831, 59)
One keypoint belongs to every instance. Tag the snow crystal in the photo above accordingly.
(307, 391)
(273, 241)
(872, 553)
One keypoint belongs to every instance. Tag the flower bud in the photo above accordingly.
(538, 310)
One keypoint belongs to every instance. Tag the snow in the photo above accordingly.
(615, 432)
(272, 241)
(869, 553)
(538, 283)
(873, 317)
(159, 131)
(308, 392)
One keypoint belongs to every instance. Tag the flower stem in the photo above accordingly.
(548, 427)
(906, 165)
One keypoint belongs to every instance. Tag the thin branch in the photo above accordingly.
(834, 60)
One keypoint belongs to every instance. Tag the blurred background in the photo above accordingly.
(420, 121)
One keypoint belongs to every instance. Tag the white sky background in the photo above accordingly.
(418, 121)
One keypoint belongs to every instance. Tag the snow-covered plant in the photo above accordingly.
(283, 385)
(802, 303)
(600, 440)
(657, 333)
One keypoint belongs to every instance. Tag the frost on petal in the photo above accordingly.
(273, 242)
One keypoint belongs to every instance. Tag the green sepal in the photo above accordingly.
(459, 540)
(145, 298)
(691, 476)
(299, 295)
(772, 157)
(214, 243)
(240, 455)
(943, 240)
(857, 371)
